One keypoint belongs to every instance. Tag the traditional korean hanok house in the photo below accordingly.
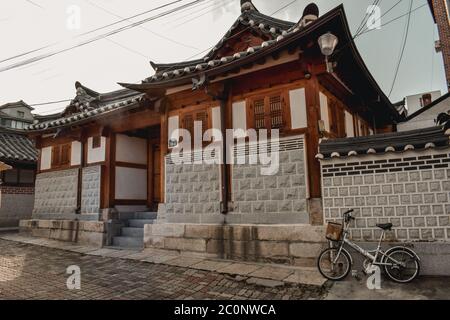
(304, 78)
(93, 161)
(19, 155)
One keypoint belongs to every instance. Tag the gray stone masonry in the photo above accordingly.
(14, 207)
(281, 194)
(56, 192)
(192, 189)
(90, 195)
(410, 190)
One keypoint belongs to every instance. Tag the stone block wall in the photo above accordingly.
(90, 194)
(192, 192)
(287, 244)
(56, 192)
(16, 203)
(90, 233)
(410, 190)
(279, 198)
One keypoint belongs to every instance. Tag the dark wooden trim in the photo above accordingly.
(60, 169)
(130, 165)
(129, 202)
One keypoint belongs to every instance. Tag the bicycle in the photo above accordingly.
(400, 263)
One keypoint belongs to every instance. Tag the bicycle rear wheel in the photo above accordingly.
(405, 266)
(334, 265)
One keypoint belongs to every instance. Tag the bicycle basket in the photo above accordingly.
(334, 231)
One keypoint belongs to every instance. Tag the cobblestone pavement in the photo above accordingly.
(34, 272)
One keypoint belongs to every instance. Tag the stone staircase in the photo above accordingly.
(132, 233)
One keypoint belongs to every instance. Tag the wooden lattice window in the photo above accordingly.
(269, 112)
(259, 114)
(188, 121)
(61, 155)
(276, 112)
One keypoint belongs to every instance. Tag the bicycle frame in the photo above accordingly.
(377, 253)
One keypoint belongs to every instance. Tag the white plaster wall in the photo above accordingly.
(216, 120)
(239, 115)
(46, 158)
(131, 149)
(75, 157)
(173, 125)
(349, 129)
(97, 154)
(324, 111)
(131, 184)
(298, 108)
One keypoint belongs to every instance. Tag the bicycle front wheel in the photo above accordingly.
(402, 266)
(334, 265)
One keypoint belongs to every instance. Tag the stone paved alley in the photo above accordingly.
(34, 272)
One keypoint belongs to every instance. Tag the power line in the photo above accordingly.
(223, 3)
(88, 32)
(395, 19)
(34, 4)
(384, 14)
(46, 103)
(110, 33)
(403, 48)
(231, 37)
(141, 27)
(365, 18)
(188, 58)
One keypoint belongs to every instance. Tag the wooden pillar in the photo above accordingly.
(150, 184)
(312, 137)
(164, 144)
(108, 173)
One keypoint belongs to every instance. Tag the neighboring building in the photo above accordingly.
(416, 102)
(16, 115)
(441, 15)
(426, 116)
(111, 153)
(17, 184)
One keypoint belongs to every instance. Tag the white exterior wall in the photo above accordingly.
(46, 158)
(75, 157)
(131, 149)
(298, 108)
(324, 111)
(239, 115)
(97, 154)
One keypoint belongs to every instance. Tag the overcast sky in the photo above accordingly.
(124, 57)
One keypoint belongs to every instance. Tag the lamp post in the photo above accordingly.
(327, 43)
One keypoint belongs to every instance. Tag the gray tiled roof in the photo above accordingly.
(433, 137)
(16, 147)
(275, 29)
(87, 105)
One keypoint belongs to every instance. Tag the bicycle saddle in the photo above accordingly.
(385, 226)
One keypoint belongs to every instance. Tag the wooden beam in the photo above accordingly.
(108, 174)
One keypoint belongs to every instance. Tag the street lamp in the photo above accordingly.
(327, 44)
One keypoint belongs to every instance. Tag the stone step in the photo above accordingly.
(145, 215)
(128, 242)
(133, 232)
(139, 223)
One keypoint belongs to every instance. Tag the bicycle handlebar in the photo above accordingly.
(347, 215)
